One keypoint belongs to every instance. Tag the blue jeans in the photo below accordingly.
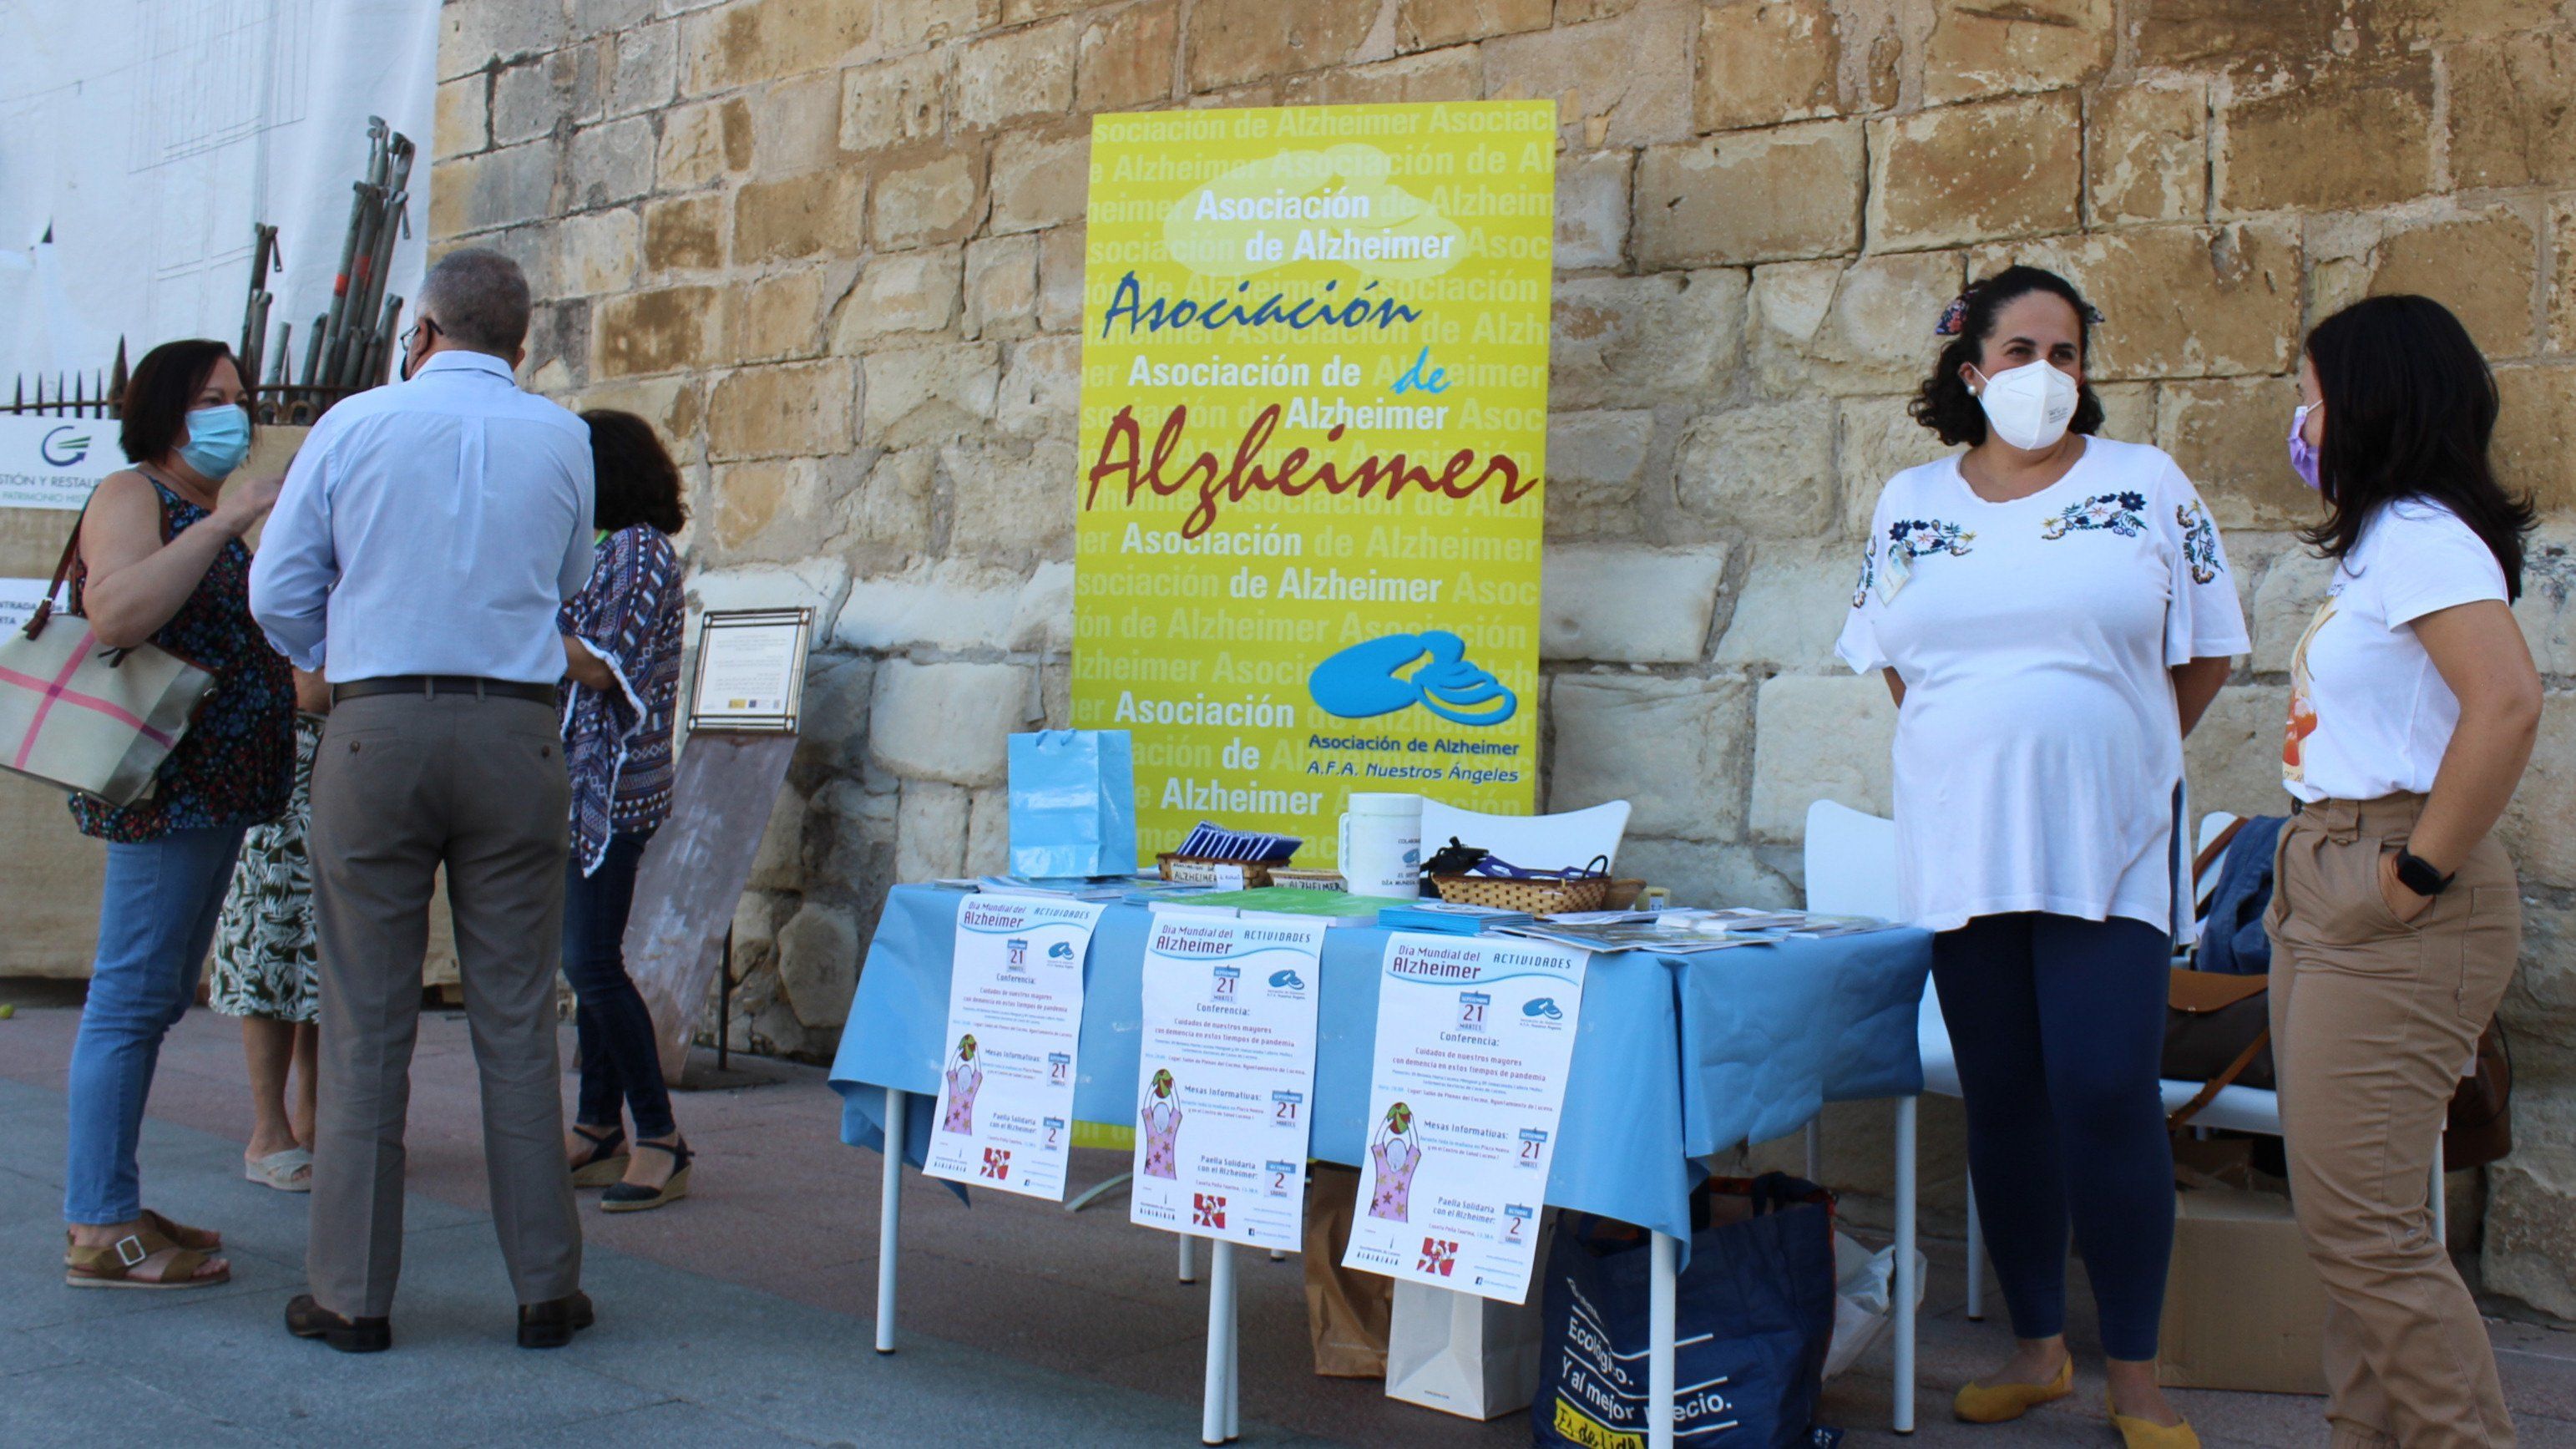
(2059, 1027)
(156, 919)
(621, 1064)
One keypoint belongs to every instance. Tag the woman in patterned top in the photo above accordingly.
(264, 967)
(622, 678)
(161, 561)
(2052, 612)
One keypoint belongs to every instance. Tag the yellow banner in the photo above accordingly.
(1314, 429)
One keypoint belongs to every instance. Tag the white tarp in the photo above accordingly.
(148, 136)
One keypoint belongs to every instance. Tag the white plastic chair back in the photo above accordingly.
(1851, 862)
(1532, 842)
(1851, 871)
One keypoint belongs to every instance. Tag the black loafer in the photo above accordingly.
(308, 1319)
(552, 1324)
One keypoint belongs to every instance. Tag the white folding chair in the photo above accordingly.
(1533, 842)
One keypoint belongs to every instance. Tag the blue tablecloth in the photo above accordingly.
(1677, 1056)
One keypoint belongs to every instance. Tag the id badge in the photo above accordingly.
(1893, 578)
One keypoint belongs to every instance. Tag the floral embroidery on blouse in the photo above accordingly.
(236, 763)
(1922, 537)
(617, 743)
(2122, 513)
(1868, 574)
(2199, 541)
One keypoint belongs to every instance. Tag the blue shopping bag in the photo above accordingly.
(1755, 1313)
(1073, 804)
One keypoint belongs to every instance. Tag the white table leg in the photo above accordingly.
(1233, 1352)
(889, 1218)
(1906, 1287)
(1662, 1302)
(1189, 1256)
(1976, 1260)
(1216, 1399)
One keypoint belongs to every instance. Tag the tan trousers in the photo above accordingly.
(402, 785)
(2372, 1021)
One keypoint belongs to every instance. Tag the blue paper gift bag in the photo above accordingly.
(1073, 804)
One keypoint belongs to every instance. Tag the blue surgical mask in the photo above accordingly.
(218, 440)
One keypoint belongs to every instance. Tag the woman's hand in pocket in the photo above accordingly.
(2404, 904)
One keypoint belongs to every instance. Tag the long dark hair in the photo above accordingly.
(154, 408)
(637, 481)
(2410, 409)
(1944, 403)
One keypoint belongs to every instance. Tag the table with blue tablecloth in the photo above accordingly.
(1677, 1057)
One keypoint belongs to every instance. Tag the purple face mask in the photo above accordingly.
(2303, 454)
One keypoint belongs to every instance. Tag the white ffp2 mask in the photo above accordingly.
(2028, 406)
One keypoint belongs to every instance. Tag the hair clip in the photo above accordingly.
(1955, 316)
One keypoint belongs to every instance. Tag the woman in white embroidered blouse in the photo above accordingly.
(2052, 611)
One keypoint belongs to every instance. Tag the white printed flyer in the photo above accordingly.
(1225, 1077)
(1474, 1038)
(1005, 1116)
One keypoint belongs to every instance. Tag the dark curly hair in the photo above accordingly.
(636, 480)
(2410, 413)
(1944, 403)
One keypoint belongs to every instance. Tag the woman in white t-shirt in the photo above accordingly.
(2052, 610)
(2396, 919)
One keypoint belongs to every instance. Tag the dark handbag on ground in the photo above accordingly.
(1754, 1314)
(2480, 1129)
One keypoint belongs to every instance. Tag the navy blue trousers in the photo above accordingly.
(621, 1064)
(2059, 1026)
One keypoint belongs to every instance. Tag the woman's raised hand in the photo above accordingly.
(246, 503)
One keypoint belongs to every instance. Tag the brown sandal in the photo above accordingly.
(203, 1240)
(120, 1264)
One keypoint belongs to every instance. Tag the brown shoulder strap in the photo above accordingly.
(2183, 1114)
(62, 571)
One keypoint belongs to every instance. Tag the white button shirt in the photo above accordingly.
(431, 527)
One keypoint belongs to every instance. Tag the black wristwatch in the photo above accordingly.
(2418, 875)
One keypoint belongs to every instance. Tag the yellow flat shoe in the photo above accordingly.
(2148, 1434)
(1999, 1403)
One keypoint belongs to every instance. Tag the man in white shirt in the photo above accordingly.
(423, 542)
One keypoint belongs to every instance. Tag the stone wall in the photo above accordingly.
(835, 249)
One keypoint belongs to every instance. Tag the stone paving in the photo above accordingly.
(741, 1315)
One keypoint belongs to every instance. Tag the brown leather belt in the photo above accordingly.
(434, 685)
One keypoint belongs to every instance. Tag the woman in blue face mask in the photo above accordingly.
(161, 560)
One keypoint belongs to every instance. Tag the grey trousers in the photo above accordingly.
(402, 785)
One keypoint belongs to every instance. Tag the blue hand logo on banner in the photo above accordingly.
(1362, 681)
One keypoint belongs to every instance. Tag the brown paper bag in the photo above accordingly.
(1347, 1311)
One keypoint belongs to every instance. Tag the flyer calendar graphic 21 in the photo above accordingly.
(1474, 1039)
(1005, 1113)
(1225, 1078)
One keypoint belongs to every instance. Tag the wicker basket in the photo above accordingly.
(1541, 897)
(1203, 870)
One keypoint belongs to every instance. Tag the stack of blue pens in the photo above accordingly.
(1214, 842)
